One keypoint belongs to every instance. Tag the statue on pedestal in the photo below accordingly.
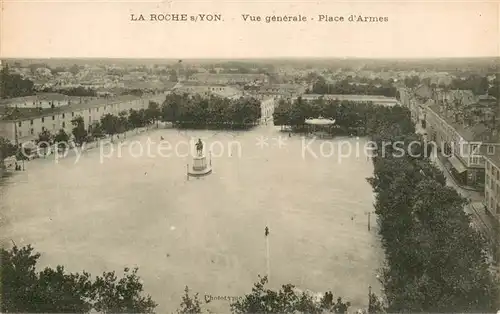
(200, 167)
(199, 147)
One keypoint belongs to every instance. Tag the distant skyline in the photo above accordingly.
(103, 29)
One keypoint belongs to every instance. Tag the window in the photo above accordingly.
(32, 131)
(63, 115)
(19, 123)
(53, 118)
(97, 109)
(43, 119)
(72, 114)
(53, 126)
(31, 122)
(491, 149)
(64, 124)
(43, 128)
(90, 110)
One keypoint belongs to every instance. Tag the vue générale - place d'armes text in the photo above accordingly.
(320, 18)
(352, 18)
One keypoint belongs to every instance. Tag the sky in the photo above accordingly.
(103, 29)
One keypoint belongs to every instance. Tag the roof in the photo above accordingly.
(478, 132)
(37, 97)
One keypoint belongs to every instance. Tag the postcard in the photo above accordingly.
(249, 156)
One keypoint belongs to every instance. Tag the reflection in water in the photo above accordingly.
(206, 233)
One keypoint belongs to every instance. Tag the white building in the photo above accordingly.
(27, 128)
(267, 109)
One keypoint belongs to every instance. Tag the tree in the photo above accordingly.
(286, 300)
(189, 305)
(57, 291)
(23, 154)
(136, 118)
(45, 140)
(13, 85)
(121, 296)
(110, 124)
(62, 139)
(96, 131)
(7, 149)
(123, 123)
(74, 69)
(78, 131)
(153, 112)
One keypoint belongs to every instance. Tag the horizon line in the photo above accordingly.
(255, 58)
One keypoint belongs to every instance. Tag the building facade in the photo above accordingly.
(492, 193)
(28, 128)
(267, 109)
(460, 145)
(492, 185)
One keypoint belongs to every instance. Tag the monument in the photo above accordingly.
(200, 167)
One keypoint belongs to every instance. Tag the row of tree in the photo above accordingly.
(350, 87)
(435, 261)
(185, 110)
(360, 118)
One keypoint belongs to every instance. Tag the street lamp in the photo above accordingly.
(369, 299)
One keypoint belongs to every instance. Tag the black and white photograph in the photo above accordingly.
(249, 157)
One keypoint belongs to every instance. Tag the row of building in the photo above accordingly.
(465, 129)
(29, 124)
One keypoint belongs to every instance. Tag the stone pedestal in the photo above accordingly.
(200, 167)
(199, 163)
